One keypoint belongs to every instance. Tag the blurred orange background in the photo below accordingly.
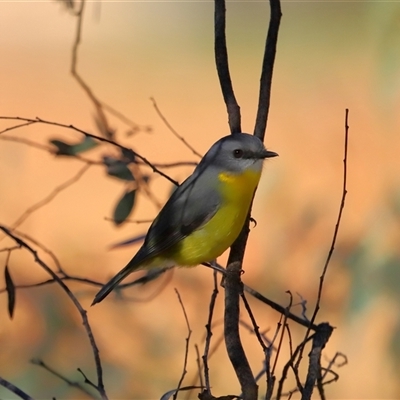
(331, 56)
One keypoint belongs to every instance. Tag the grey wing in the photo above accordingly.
(190, 207)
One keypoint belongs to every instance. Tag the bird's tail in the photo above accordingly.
(110, 285)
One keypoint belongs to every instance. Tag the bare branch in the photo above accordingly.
(172, 130)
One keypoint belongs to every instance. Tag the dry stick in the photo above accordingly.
(184, 372)
(322, 335)
(82, 312)
(172, 130)
(12, 388)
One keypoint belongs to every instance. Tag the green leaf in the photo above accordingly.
(87, 144)
(117, 168)
(63, 149)
(124, 207)
(10, 289)
(68, 149)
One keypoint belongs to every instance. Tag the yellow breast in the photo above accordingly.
(211, 240)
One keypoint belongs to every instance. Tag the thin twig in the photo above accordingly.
(52, 371)
(336, 230)
(46, 200)
(281, 309)
(106, 130)
(286, 367)
(17, 126)
(133, 125)
(284, 324)
(184, 371)
(339, 218)
(209, 333)
(256, 328)
(198, 362)
(28, 142)
(172, 130)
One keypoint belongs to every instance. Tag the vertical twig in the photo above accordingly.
(321, 336)
(209, 334)
(102, 119)
(184, 372)
(221, 61)
(267, 69)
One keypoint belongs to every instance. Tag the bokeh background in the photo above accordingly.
(331, 56)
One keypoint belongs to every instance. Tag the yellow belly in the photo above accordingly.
(211, 240)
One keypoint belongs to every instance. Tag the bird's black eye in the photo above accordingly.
(238, 153)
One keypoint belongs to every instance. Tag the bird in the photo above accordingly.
(206, 213)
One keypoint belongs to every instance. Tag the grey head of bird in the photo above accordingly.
(235, 153)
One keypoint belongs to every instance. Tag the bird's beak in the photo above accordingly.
(269, 154)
